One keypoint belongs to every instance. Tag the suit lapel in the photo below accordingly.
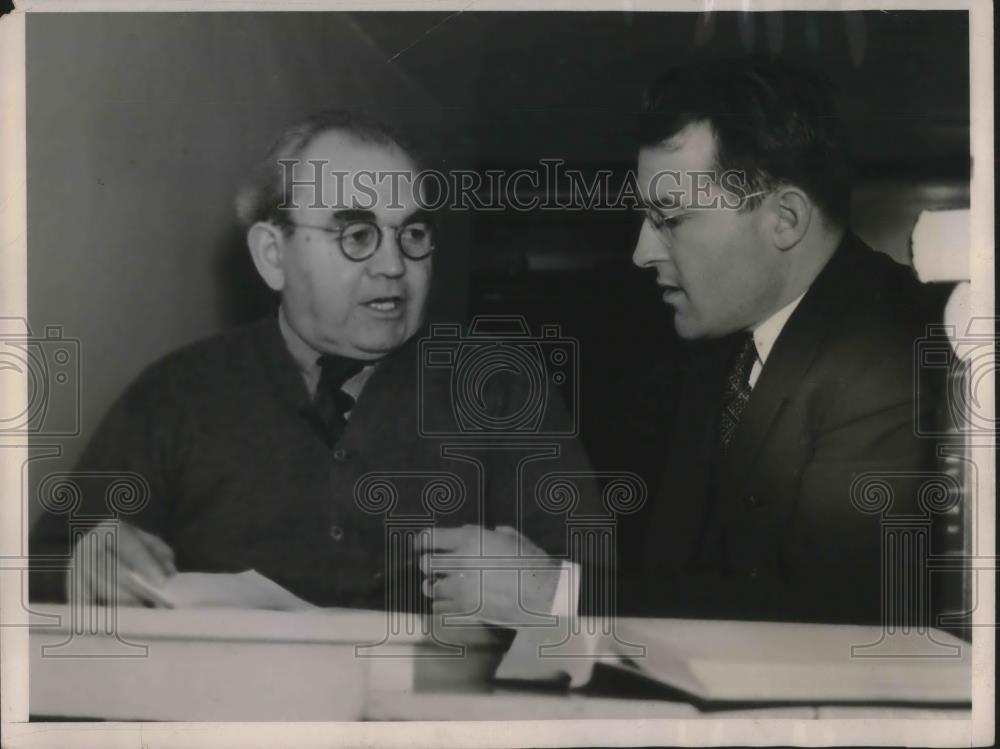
(793, 354)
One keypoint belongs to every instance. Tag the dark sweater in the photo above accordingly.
(240, 478)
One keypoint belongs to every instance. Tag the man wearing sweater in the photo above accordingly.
(297, 445)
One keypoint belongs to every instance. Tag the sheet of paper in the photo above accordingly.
(555, 654)
(245, 590)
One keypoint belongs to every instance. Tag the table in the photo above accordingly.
(238, 665)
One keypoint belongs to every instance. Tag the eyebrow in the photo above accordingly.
(420, 214)
(346, 215)
(352, 214)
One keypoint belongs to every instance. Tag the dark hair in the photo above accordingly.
(773, 121)
(264, 190)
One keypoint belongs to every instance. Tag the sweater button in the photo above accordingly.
(336, 532)
(340, 454)
(753, 572)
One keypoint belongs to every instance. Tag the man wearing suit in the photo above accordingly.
(798, 377)
(294, 445)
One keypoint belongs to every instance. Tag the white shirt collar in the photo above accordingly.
(766, 334)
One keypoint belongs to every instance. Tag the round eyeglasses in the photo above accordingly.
(359, 240)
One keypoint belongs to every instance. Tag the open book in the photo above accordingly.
(753, 662)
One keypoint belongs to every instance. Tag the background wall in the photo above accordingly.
(141, 125)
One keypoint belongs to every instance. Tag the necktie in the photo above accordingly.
(330, 402)
(737, 393)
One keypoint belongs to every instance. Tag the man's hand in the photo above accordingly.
(132, 553)
(499, 576)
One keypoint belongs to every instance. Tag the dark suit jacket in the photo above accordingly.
(771, 531)
(233, 475)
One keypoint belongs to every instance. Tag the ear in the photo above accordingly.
(266, 244)
(794, 212)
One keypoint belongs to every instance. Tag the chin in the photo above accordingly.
(384, 343)
(688, 329)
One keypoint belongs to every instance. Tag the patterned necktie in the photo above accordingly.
(330, 404)
(737, 394)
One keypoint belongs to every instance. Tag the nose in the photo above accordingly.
(388, 259)
(649, 248)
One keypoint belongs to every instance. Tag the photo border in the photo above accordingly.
(979, 730)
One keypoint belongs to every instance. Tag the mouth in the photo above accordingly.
(385, 305)
(670, 291)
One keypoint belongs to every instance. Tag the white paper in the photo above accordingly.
(244, 590)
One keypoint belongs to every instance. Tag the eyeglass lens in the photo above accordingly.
(361, 239)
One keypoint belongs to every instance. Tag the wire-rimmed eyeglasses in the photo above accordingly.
(663, 222)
